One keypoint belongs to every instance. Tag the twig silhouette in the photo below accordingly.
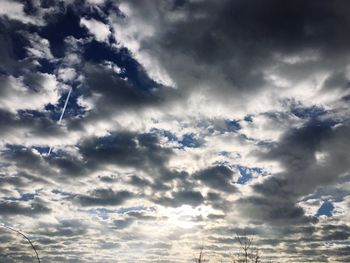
(23, 235)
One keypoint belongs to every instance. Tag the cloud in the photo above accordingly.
(187, 197)
(100, 31)
(238, 37)
(187, 120)
(15, 10)
(104, 197)
(11, 208)
(303, 173)
(30, 93)
(218, 177)
(108, 91)
(125, 149)
(40, 47)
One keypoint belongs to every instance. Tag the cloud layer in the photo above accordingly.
(189, 122)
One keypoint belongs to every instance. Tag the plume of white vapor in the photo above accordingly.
(61, 117)
(23, 235)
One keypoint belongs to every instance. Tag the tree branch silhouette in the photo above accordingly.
(25, 237)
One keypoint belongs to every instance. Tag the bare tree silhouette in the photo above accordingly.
(248, 253)
(199, 259)
(25, 237)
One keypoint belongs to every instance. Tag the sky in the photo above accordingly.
(141, 131)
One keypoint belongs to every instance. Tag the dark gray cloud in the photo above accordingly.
(312, 157)
(12, 208)
(185, 197)
(12, 46)
(141, 216)
(104, 197)
(115, 91)
(218, 177)
(304, 173)
(273, 211)
(37, 126)
(228, 45)
(65, 228)
(36, 167)
(125, 149)
(139, 182)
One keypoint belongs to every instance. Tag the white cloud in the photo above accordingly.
(264, 127)
(67, 74)
(130, 33)
(14, 10)
(100, 30)
(39, 47)
(17, 96)
(96, 2)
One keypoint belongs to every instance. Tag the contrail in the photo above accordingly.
(61, 117)
(23, 235)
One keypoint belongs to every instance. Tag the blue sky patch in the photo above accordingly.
(232, 125)
(308, 112)
(24, 197)
(189, 140)
(99, 52)
(59, 192)
(73, 108)
(164, 133)
(247, 173)
(248, 118)
(325, 209)
(63, 25)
